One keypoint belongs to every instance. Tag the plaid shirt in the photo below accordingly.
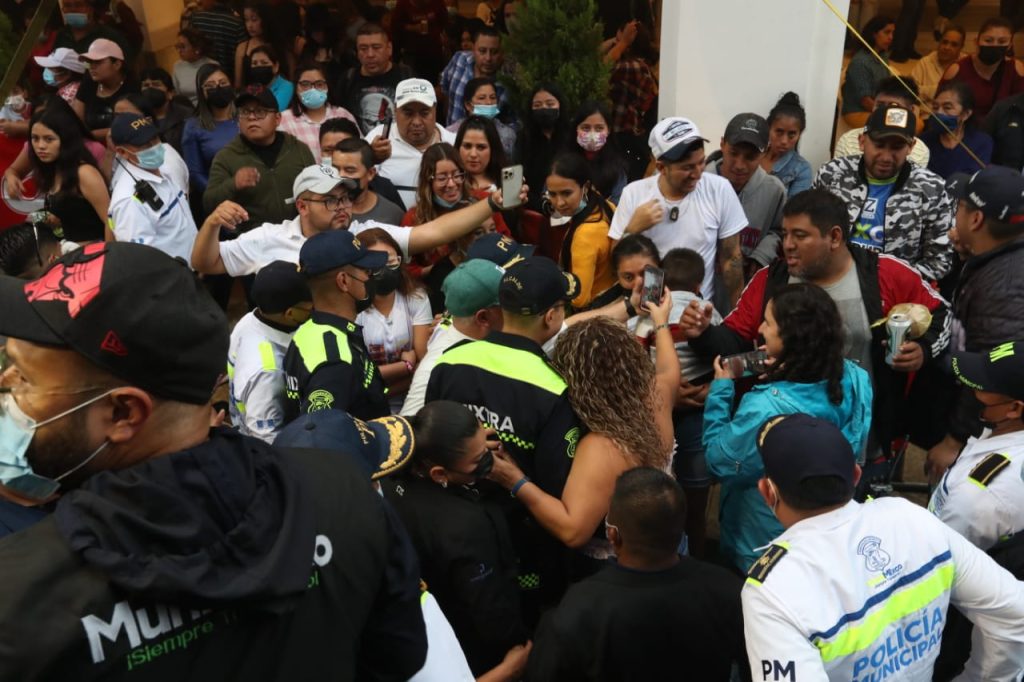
(453, 82)
(633, 89)
(306, 130)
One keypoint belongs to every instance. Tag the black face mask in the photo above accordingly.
(371, 290)
(545, 118)
(992, 54)
(155, 97)
(387, 281)
(484, 466)
(221, 96)
(261, 74)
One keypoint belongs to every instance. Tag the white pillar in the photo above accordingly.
(723, 57)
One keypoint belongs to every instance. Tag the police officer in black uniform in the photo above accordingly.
(506, 380)
(327, 365)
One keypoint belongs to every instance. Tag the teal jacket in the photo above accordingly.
(730, 447)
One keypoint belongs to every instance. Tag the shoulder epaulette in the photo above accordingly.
(760, 569)
(988, 468)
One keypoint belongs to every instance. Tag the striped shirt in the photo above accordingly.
(224, 29)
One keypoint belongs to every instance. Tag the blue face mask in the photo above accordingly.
(313, 99)
(49, 78)
(151, 158)
(76, 20)
(16, 432)
(485, 110)
(443, 203)
(951, 121)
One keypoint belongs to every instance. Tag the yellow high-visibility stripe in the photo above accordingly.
(512, 363)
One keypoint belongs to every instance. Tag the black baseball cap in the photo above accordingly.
(749, 129)
(265, 98)
(134, 129)
(499, 249)
(533, 285)
(132, 310)
(279, 286)
(891, 121)
(380, 446)
(1000, 370)
(796, 447)
(334, 249)
(997, 190)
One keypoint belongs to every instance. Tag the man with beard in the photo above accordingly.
(864, 285)
(175, 550)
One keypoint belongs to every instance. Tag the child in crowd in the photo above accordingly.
(16, 106)
(684, 272)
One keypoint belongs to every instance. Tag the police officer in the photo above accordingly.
(982, 495)
(327, 365)
(148, 200)
(862, 592)
(258, 344)
(505, 379)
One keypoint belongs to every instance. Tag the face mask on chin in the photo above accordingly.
(17, 431)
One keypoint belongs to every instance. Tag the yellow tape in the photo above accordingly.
(898, 77)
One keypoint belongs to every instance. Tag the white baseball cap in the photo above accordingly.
(62, 58)
(670, 138)
(415, 90)
(316, 179)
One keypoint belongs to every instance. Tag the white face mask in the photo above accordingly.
(16, 432)
(775, 492)
(15, 103)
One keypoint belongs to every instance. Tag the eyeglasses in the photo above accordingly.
(255, 114)
(333, 203)
(210, 87)
(444, 179)
(319, 85)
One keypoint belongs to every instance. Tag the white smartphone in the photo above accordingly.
(511, 185)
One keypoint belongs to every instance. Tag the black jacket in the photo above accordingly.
(1005, 123)
(228, 561)
(988, 305)
(884, 282)
(684, 623)
(468, 564)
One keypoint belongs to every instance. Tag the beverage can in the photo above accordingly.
(897, 325)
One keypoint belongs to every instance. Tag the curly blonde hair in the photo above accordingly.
(608, 372)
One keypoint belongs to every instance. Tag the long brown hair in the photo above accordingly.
(376, 235)
(426, 209)
(608, 372)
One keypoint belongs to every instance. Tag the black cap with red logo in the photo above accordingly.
(130, 309)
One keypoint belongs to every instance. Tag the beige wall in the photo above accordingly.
(160, 20)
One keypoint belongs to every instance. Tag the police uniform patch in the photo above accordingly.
(988, 468)
(320, 400)
(760, 569)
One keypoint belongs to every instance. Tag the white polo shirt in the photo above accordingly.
(170, 228)
(269, 242)
(256, 377)
(707, 215)
(982, 495)
(403, 168)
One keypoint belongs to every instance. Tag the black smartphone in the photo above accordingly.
(654, 285)
(386, 133)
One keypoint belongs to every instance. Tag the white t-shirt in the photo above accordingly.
(403, 168)
(707, 215)
(443, 338)
(387, 337)
(170, 228)
(269, 242)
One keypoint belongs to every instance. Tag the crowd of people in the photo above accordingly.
(327, 357)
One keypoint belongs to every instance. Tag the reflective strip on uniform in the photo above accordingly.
(240, 406)
(910, 594)
(519, 365)
(311, 340)
(231, 370)
(267, 357)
